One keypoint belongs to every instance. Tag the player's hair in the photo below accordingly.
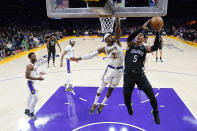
(145, 36)
(29, 55)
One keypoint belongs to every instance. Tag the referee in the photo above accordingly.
(134, 74)
(51, 49)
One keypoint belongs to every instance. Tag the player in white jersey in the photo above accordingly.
(31, 76)
(114, 69)
(68, 53)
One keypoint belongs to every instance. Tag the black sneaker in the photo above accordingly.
(32, 115)
(130, 109)
(94, 106)
(156, 59)
(156, 117)
(100, 108)
(27, 112)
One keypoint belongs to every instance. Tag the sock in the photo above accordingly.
(96, 100)
(29, 101)
(34, 102)
(67, 86)
(105, 100)
(68, 76)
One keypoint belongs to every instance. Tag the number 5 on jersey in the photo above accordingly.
(135, 58)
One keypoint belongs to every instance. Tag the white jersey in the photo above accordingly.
(69, 51)
(115, 55)
(34, 71)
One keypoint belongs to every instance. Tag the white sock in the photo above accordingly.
(105, 100)
(96, 100)
(29, 101)
(68, 76)
(35, 100)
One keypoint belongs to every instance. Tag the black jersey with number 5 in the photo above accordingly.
(135, 57)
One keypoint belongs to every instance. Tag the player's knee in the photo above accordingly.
(112, 85)
(99, 91)
(101, 88)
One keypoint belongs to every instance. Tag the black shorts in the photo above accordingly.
(52, 51)
(139, 78)
(160, 46)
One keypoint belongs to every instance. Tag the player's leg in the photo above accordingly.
(53, 53)
(98, 94)
(34, 102)
(68, 76)
(150, 94)
(156, 55)
(144, 84)
(29, 101)
(109, 92)
(49, 57)
(105, 80)
(128, 87)
(161, 55)
(115, 79)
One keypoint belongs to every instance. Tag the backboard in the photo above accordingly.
(121, 8)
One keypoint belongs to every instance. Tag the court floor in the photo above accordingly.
(174, 82)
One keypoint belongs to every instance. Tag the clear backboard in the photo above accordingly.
(121, 8)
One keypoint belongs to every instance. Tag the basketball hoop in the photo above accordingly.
(107, 24)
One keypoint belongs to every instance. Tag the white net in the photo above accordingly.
(107, 24)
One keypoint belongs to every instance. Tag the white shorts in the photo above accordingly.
(112, 76)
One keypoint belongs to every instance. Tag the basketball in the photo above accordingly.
(156, 23)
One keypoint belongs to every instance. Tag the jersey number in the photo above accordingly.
(135, 58)
(114, 55)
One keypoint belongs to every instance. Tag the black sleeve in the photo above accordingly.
(156, 43)
(134, 34)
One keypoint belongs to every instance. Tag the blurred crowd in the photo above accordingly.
(21, 33)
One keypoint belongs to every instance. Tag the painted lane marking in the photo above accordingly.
(97, 123)
(148, 99)
(73, 92)
(162, 106)
(82, 99)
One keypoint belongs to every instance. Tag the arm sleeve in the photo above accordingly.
(134, 34)
(156, 43)
(90, 55)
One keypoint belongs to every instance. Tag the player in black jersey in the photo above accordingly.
(51, 48)
(134, 74)
(160, 49)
